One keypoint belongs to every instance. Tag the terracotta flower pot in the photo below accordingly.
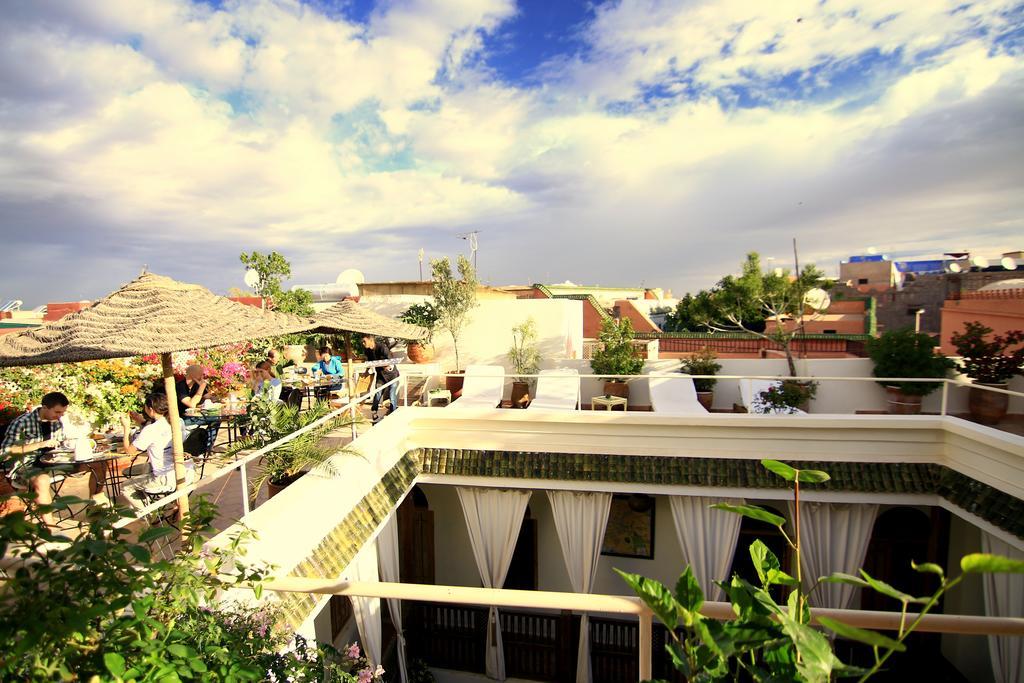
(520, 394)
(987, 407)
(454, 384)
(419, 353)
(706, 398)
(275, 487)
(902, 404)
(616, 388)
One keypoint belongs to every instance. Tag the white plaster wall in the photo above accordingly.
(488, 335)
(453, 555)
(969, 654)
(838, 396)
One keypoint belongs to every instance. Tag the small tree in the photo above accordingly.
(989, 362)
(524, 354)
(271, 270)
(454, 297)
(744, 303)
(616, 355)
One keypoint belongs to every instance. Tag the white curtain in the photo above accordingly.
(834, 538)
(1004, 597)
(493, 517)
(366, 610)
(708, 538)
(387, 556)
(580, 520)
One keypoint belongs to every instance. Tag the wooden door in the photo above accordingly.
(416, 539)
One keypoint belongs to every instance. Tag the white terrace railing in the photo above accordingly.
(242, 463)
(616, 604)
(352, 406)
(946, 383)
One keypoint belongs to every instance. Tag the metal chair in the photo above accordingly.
(197, 446)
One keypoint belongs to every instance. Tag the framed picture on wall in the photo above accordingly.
(630, 531)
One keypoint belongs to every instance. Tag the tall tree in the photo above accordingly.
(454, 297)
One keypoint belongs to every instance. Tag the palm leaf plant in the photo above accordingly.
(285, 462)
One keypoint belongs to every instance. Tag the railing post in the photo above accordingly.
(945, 397)
(644, 645)
(568, 648)
(245, 489)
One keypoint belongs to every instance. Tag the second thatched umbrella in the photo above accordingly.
(151, 314)
(348, 316)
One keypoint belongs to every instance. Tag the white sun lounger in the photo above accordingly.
(675, 396)
(557, 389)
(750, 389)
(482, 387)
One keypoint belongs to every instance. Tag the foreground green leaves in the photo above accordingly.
(109, 607)
(769, 642)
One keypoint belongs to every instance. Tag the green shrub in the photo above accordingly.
(616, 355)
(905, 353)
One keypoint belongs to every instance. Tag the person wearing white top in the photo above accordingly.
(155, 440)
(263, 382)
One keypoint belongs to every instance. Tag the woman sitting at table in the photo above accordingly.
(262, 382)
(155, 440)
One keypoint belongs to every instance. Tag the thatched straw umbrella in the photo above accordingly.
(348, 316)
(151, 314)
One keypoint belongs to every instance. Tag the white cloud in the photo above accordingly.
(267, 124)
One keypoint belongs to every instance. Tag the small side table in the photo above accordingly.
(439, 395)
(608, 402)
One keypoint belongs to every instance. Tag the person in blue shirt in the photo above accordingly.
(329, 364)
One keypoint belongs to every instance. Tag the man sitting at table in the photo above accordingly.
(329, 364)
(190, 390)
(277, 363)
(155, 440)
(31, 433)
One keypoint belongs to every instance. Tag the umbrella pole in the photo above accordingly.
(176, 442)
(349, 382)
(348, 367)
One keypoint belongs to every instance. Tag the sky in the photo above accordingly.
(615, 143)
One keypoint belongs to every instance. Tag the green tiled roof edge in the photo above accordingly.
(992, 505)
(342, 543)
(577, 297)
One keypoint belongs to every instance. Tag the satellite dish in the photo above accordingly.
(1008, 263)
(817, 300)
(955, 268)
(350, 276)
(979, 262)
(252, 278)
(872, 251)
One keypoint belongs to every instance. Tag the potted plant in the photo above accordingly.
(454, 298)
(990, 364)
(282, 466)
(786, 397)
(525, 358)
(905, 353)
(703, 363)
(615, 355)
(424, 315)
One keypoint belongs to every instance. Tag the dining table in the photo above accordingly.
(108, 463)
(232, 415)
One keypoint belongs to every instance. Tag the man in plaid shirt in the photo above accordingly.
(30, 433)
